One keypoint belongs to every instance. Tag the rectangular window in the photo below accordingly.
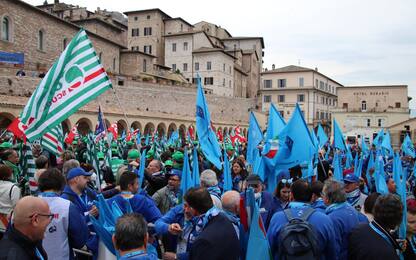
(317, 115)
(281, 98)
(345, 105)
(229, 83)
(185, 46)
(301, 81)
(380, 122)
(223, 82)
(147, 49)
(281, 83)
(301, 98)
(398, 105)
(267, 83)
(229, 69)
(208, 65)
(322, 115)
(223, 67)
(135, 32)
(173, 47)
(321, 85)
(267, 99)
(147, 31)
(185, 67)
(144, 65)
(196, 66)
(209, 81)
(316, 83)
(173, 67)
(368, 122)
(136, 18)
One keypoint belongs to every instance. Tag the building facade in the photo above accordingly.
(363, 111)
(313, 91)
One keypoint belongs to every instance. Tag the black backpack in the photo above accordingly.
(297, 239)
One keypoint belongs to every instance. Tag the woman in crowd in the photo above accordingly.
(9, 195)
(282, 194)
(239, 174)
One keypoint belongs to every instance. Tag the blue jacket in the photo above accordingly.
(139, 204)
(321, 222)
(174, 215)
(84, 204)
(345, 218)
(319, 205)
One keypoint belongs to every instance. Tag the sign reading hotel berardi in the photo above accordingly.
(372, 93)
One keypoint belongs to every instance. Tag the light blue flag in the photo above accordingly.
(228, 182)
(336, 164)
(349, 159)
(369, 166)
(295, 143)
(364, 147)
(407, 147)
(358, 166)
(255, 136)
(327, 153)
(258, 246)
(399, 177)
(386, 143)
(339, 141)
(186, 179)
(315, 140)
(275, 125)
(379, 139)
(195, 168)
(142, 167)
(147, 139)
(322, 137)
(380, 181)
(207, 139)
(259, 168)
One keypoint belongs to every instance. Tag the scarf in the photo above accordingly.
(353, 197)
(215, 190)
(199, 223)
(235, 220)
(173, 198)
(331, 208)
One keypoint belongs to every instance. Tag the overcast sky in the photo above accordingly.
(354, 42)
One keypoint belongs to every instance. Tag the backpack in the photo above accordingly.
(297, 239)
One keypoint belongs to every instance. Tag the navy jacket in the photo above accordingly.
(218, 240)
(321, 222)
(345, 219)
(139, 204)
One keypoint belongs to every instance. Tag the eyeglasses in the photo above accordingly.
(50, 216)
(288, 181)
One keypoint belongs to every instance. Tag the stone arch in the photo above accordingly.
(172, 128)
(66, 126)
(182, 131)
(5, 120)
(161, 129)
(149, 128)
(136, 125)
(84, 126)
(121, 126)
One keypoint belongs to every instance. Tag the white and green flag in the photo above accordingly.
(76, 78)
(53, 140)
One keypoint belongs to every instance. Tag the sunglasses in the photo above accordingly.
(288, 181)
(50, 216)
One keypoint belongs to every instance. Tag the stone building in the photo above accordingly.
(363, 110)
(152, 97)
(193, 49)
(313, 91)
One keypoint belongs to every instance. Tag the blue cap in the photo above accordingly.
(175, 172)
(74, 172)
(351, 178)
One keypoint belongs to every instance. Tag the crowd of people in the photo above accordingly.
(317, 217)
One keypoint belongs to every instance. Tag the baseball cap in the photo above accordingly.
(253, 179)
(351, 178)
(78, 171)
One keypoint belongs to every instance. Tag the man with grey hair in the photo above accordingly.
(130, 238)
(68, 165)
(344, 216)
(209, 181)
(230, 201)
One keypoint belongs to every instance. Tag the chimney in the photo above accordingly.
(56, 1)
(273, 67)
(45, 2)
(316, 68)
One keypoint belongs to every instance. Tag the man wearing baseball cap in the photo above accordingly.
(352, 189)
(77, 192)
